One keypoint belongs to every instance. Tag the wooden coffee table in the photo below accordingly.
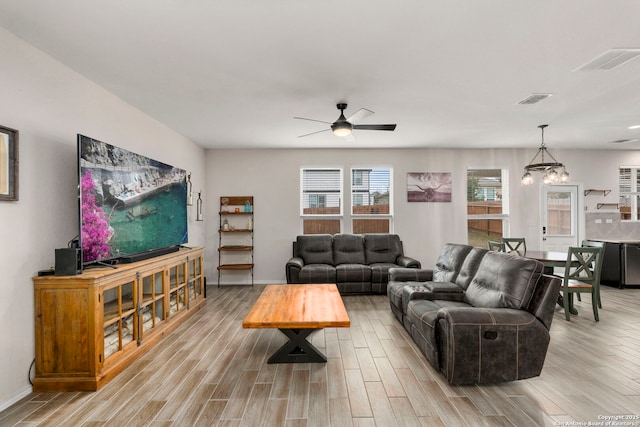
(298, 310)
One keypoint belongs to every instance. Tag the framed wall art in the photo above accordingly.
(8, 164)
(429, 187)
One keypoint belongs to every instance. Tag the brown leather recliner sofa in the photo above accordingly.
(356, 263)
(478, 316)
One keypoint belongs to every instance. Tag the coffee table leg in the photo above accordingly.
(297, 349)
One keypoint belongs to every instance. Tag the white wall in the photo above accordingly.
(272, 177)
(49, 104)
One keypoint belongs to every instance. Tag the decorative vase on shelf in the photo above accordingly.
(247, 206)
(250, 224)
(225, 225)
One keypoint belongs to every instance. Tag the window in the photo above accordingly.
(629, 180)
(321, 200)
(371, 201)
(487, 205)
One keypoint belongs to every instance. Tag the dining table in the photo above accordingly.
(548, 258)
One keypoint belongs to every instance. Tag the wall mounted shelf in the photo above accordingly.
(593, 190)
(608, 205)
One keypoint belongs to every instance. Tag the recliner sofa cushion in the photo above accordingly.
(470, 267)
(318, 273)
(382, 248)
(450, 262)
(315, 249)
(353, 273)
(348, 249)
(503, 281)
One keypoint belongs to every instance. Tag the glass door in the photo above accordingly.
(560, 217)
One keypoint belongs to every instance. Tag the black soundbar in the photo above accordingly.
(141, 256)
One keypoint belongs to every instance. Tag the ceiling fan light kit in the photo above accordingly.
(554, 171)
(344, 126)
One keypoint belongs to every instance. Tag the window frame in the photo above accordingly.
(357, 179)
(632, 183)
(307, 191)
(504, 187)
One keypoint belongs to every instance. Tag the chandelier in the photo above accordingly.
(554, 171)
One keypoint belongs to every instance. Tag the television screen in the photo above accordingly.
(129, 204)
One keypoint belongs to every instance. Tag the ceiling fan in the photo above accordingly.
(343, 126)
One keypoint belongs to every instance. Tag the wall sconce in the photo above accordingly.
(189, 191)
(199, 207)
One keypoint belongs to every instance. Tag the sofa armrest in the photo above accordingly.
(292, 269)
(485, 316)
(431, 291)
(408, 262)
(401, 274)
(487, 345)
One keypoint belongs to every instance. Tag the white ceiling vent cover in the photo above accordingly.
(611, 59)
(534, 98)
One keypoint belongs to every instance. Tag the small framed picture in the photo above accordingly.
(8, 164)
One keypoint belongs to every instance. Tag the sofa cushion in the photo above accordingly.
(348, 249)
(380, 272)
(450, 262)
(382, 248)
(353, 273)
(470, 267)
(315, 248)
(318, 273)
(503, 281)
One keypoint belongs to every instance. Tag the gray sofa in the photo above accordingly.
(356, 263)
(478, 316)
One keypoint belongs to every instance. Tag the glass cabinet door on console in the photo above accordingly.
(177, 298)
(151, 302)
(119, 303)
(195, 278)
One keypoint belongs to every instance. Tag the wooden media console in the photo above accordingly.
(90, 327)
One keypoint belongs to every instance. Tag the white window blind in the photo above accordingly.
(321, 200)
(371, 200)
(629, 185)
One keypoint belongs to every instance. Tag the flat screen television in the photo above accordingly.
(131, 207)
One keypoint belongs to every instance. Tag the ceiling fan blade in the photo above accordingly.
(359, 115)
(349, 138)
(312, 120)
(375, 127)
(313, 133)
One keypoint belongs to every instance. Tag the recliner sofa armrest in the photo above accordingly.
(487, 345)
(408, 262)
(292, 269)
(402, 274)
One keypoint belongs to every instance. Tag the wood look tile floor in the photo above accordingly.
(211, 372)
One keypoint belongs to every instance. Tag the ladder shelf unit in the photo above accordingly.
(235, 235)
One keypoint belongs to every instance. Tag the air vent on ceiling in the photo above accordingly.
(534, 98)
(613, 58)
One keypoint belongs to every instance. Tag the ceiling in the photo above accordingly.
(450, 73)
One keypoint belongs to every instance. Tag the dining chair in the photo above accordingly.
(582, 275)
(515, 244)
(496, 246)
(592, 244)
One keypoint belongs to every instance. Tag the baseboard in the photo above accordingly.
(256, 282)
(7, 403)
